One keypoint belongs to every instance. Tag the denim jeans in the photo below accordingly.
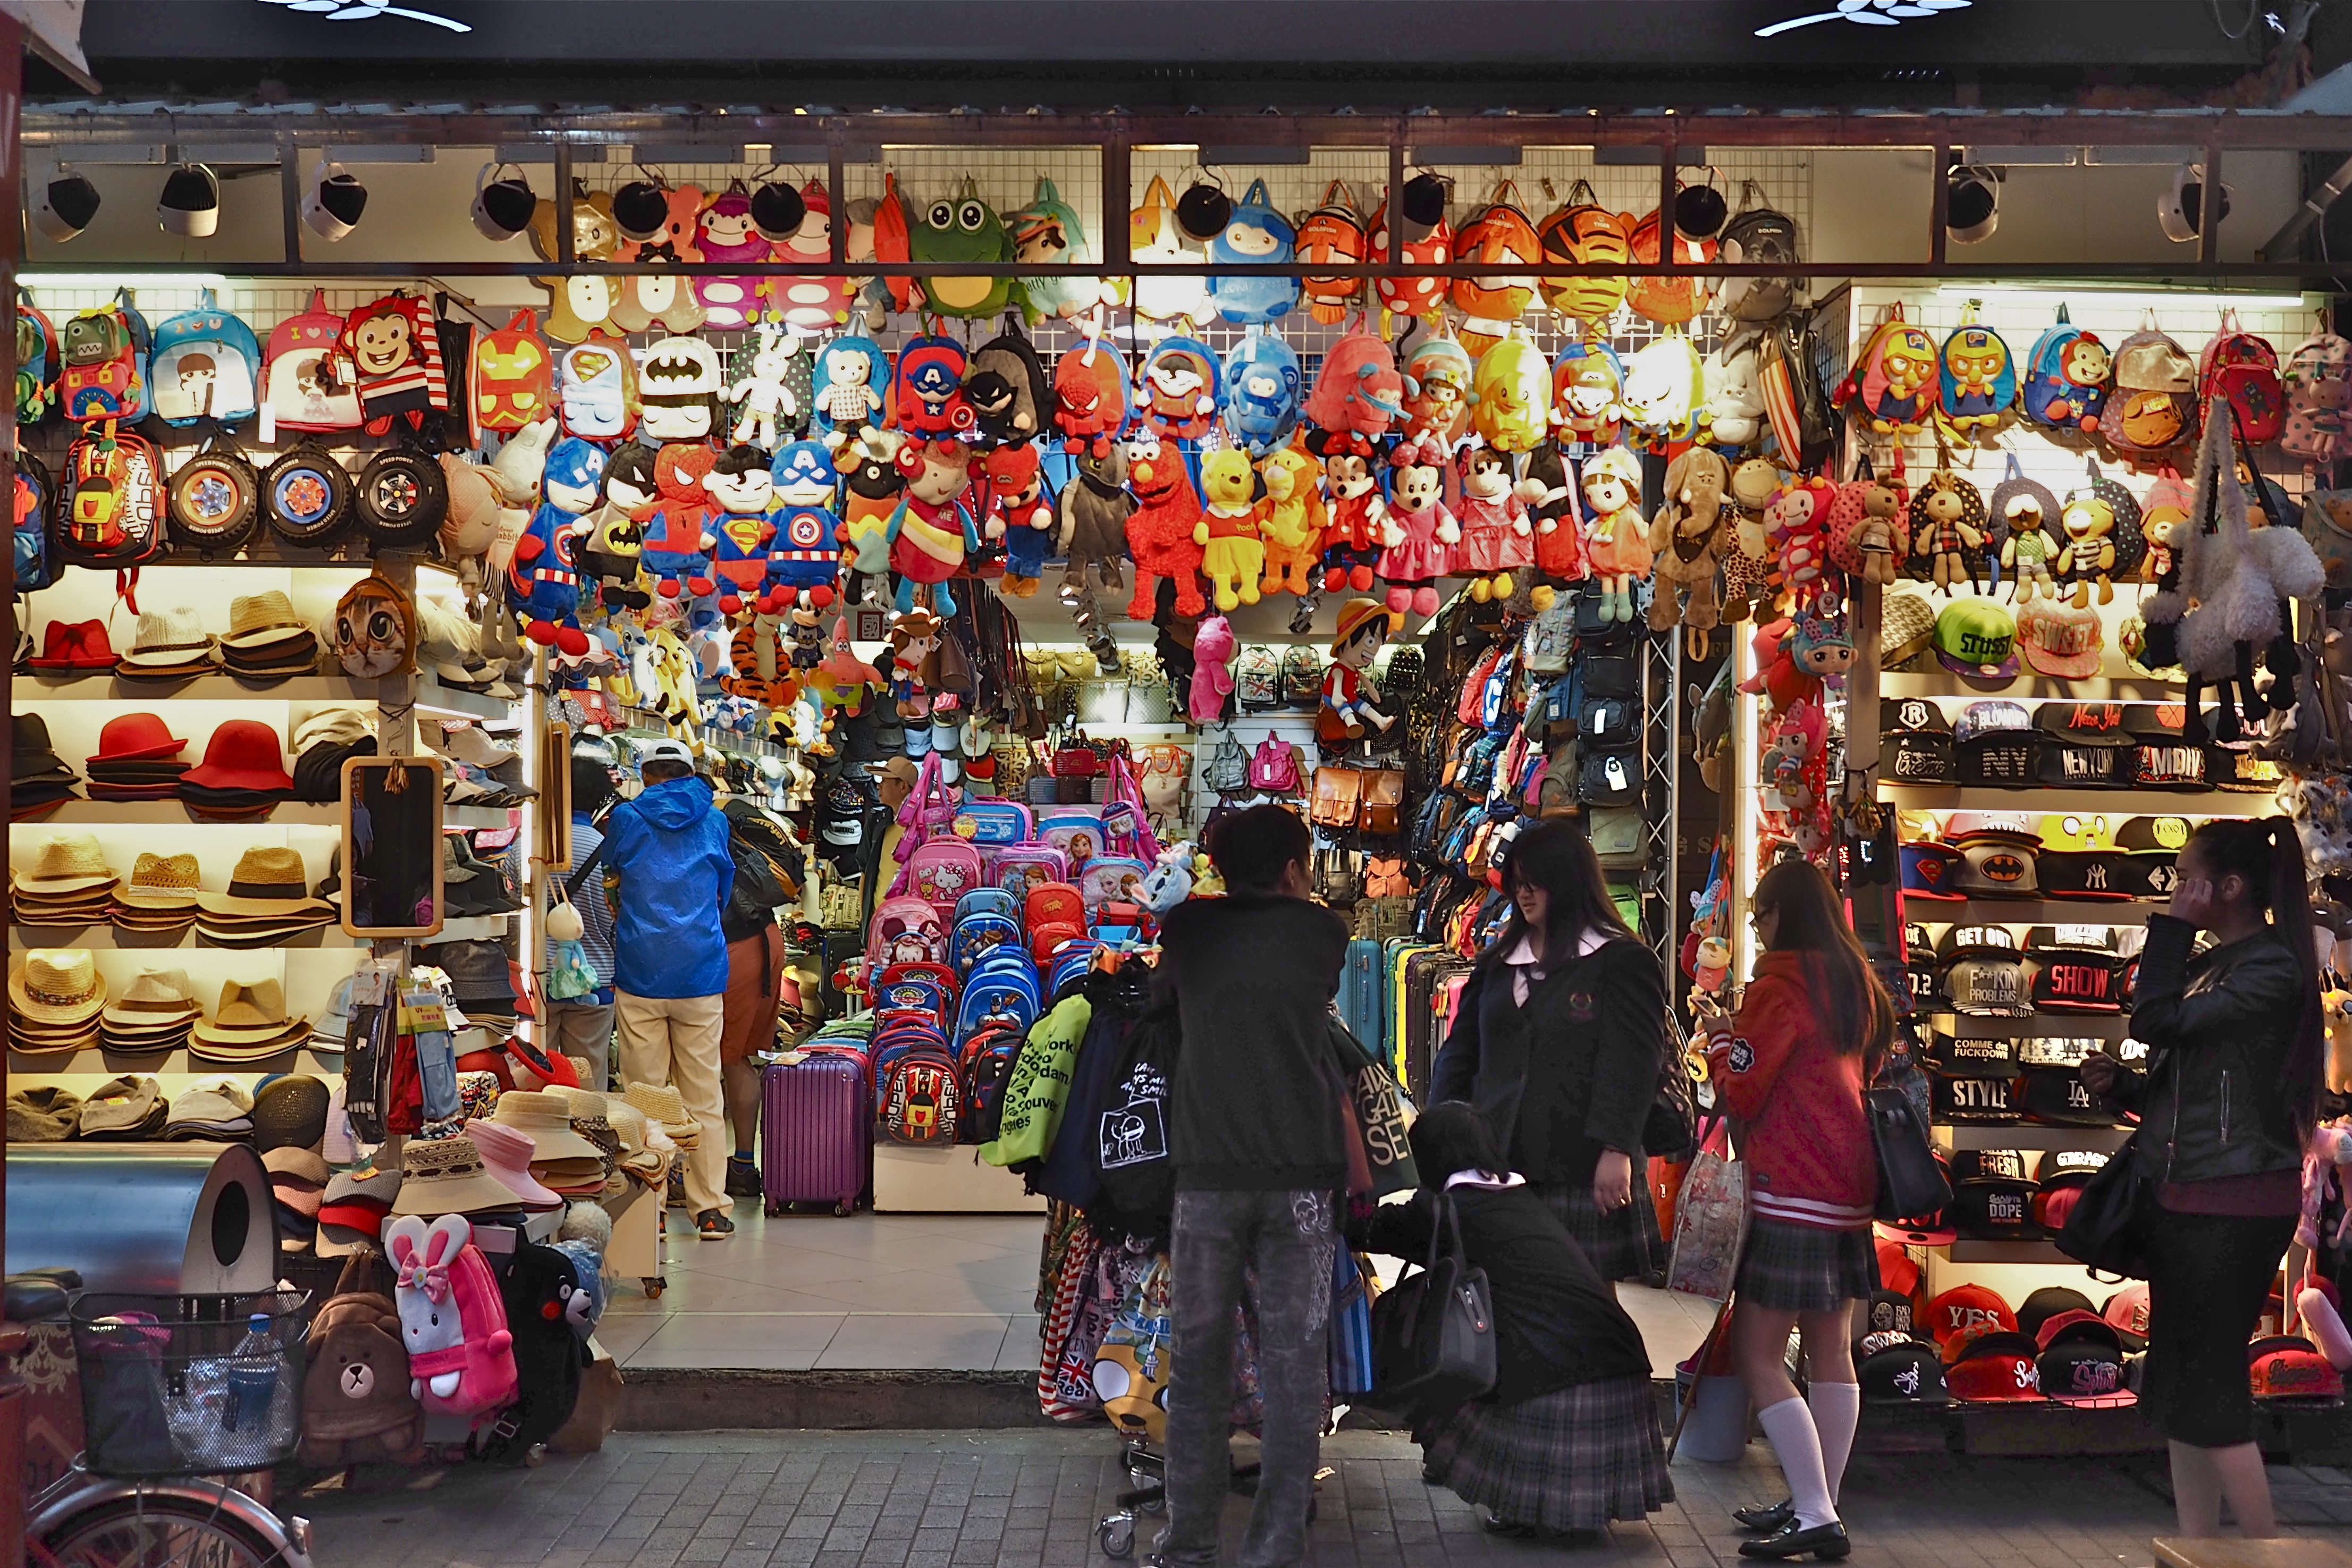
(1287, 1239)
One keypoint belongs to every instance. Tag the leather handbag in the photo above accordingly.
(2106, 1231)
(1434, 1332)
(1909, 1179)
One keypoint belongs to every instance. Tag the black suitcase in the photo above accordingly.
(1425, 974)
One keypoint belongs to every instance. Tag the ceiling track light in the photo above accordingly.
(1971, 203)
(190, 205)
(68, 202)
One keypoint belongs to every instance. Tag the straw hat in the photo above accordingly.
(258, 619)
(663, 1106)
(268, 881)
(67, 863)
(250, 1012)
(445, 1175)
(58, 986)
(508, 1151)
(162, 882)
(170, 639)
(158, 999)
(548, 1119)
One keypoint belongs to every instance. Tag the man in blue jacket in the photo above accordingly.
(669, 957)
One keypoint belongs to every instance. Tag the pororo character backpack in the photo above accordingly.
(307, 380)
(2243, 367)
(1154, 239)
(1333, 232)
(1585, 234)
(1669, 301)
(1976, 377)
(1358, 388)
(1262, 382)
(1501, 235)
(1893, 386)
(1412, 296)
(206, 364)
(2156, 392)
(2318, 382)
(104, 353)
(1255, 233)
(1513, 393)
(927, 388)
(37, 362)
(510, 379)
(2066, 377)
(1666, 388)
(109, 509)
(1760, 235)
(453, 1321)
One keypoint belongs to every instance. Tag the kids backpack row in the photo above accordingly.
(1977, 374)
(308, 383)
(103, 352)
(2155, 400)
(2243, 367)
(2067, 377)
(1586, 234)
(1894, 386)
(1501, 235)
(108, 511)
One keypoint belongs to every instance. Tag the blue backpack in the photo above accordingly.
(205, 364)
(1258, 233)
(1261, 396)
(2067, 377)
(977, 933)
(37, 551)
(990, 900)
(1001, 990)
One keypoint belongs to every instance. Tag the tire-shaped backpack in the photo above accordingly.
(400, 500)
(215, 499)
(307, 496)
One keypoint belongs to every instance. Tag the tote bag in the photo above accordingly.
(1710, 1222)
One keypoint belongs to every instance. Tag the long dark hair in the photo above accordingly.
(1851, 1000)
(2265, 852)
(1451, 1137)
(1557, 857)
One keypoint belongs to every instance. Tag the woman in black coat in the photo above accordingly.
(1560, 1040)
(1567, 1439)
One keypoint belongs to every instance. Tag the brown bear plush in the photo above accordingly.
(356, 1407)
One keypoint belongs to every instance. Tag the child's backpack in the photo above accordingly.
(1261, 393)
(927, 388)
(1666, 388)
(1111, 880)
(1257, 678)
(109, 512)
(1977, 378)
(308, 381)
(988, 900)
(2318, 382)
(1333, 232)
(206, 364)
(596, 389)
(104, 350)
(2243, 367)
(1670, 301)
(1358, 389)
(2156, 392)
(1184, 413)
(1154, 239)
(536, 1294)
(1499, 234)
(1256, 232)
(986, 1063)
(942, 872)
(510, 380)
(1512, 388)
(1054, 904)
(1411, 296)
(356, 1406)
(1759, 235)
(1584, 233)
(920, 1097)
(37, 362)
(1893, 386)
(905, 929)
(453, 1321)
(36, 548)
(979, 930)
(1003, 987)
(394, 342)
(2066, 377)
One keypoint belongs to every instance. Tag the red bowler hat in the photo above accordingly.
(129, 737)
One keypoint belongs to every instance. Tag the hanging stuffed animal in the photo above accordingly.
(1007, 387)
(1020, 514)
(2101, 540)
(1947, 530)
(1735, 391)
(1049, 233)
(1550, 492)
(2027, 513)
(1979, 377)
(1233, 553)
(1867, 531)
(726, 234)
(871, 484)
(1756, 483)
(678, 385)
(453, 1320)
(1617, 547)
(1256, 233)
(1797, 525)
(1095, 507)
(1497, 537)
(679, 541)
(612, 535)
(741, 493)
(960, 228)
(766, 408)
(1212, 671)
(853, 381)
(1358, 388)
(804, 556)
(1177, 387)
(1352, 702)
(395, 345)
(1512, 394)
(1089, 397)
(1359, 511)
(1294, 520)
(1588, 387)
(1437, 380)
(544, 579)
(1160, 530)
(1685, 538)
(927, 388)
(1666, 390)
(932, 531)
(1892, 388)
(1261, 401)
(1418, 540)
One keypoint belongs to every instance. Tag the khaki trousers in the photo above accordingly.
(675, 1040)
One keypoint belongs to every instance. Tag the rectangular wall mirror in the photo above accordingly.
(392, 846)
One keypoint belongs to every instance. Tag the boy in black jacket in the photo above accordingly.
(1258, 1149)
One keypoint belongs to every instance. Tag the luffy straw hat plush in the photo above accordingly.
(445, 1175)
(59, 987)
(67, 863)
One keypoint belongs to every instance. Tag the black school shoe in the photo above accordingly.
(1826, 1543)
(712, 1224)
(1764, 1519)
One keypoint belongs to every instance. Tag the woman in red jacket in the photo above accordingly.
(1790, 1068)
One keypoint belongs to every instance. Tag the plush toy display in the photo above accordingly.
(677, 540)
(1160, 530)
(766, 407)
(543, 582)
(1020, 515)
(1293, 523)
(1617, 549)
(1350, 702)
(932, 531)
(1685, 538)
(1095, 509)
(1233, 553)
(1948, 531)
(1178, 389)
(1357, 523)
(1497, 538)
(1418, 532)
(1588, 387)
(1213, 669)
(853, 384)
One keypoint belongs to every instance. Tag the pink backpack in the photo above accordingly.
(453, 1321)
(2244, 369)
(2318, 386)
(1273, 767)
(1358, 388)
(907, 928)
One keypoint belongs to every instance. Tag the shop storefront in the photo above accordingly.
(992, 496)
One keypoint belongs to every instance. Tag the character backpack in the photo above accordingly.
(37, 362)
(1763, 236)
(540, 1286)
(1170, 409)
(1977, 376)
(2318, 382)
(1262, 382)
(927, 388)
(104, 355)
(395, 344)
(1256, 232)
(1257, 678)
(307, 381)
(2243, 367)
(2066, 377)
(1512, 388)
(1893, 386)
(596, 389)
(1358, 388)
(510, 379)
(205, 365)
(36, 548)
(109, 509)
(1666, 390)
(1499, 235)
(453, 1321)
(1050, 230)
(1669, 301)
(1412, 296)
(962, 228)
(1586, 234)
(1154, 239)
(2156, 392)
(1332, 233)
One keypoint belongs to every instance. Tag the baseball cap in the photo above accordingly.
(2074, 969)
(1992, 1197)
(2063, 1173)
(1888, 1311)
(1976, 640)
(1927, 871)
(1965, 1312)
(2047, 1306)
(2084, 745)
(2020, 828)
(1969, 1100)
(2084, 874)
(2163, 758)
(1896, 1272)
(2288, 1366)
(2082, 1360)
(1901, 1372)
(1996, 1367)
(1964, 1057)
(2126, 1313)
(2058, 640)
(2056, 1095)
(1996, 868)
(663, 751)
(1917, 743)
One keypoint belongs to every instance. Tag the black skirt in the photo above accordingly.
(1803, 1268)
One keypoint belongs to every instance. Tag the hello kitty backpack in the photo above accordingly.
(453, 1322)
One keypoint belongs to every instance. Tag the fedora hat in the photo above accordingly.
(162, 882)
(242, 753)
(446, 1175)
(508, 1151)
(256, 619)
(137, 737)
(170, 639)
(249, 1010)
(80, 645)
(30, 755)
(665, 1108)
(58, 986)
(270, 883)
(548, 1119)
(67, 863)
(158, 998)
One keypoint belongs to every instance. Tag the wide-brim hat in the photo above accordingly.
(257, 619)
(162, 882)
(446, 1175)
(57, 985)
(137, 737)
(243, 753)
(248, 1010)
(67, 863)
(158, 999)
(508, 1151)
(269, 882)
(664, 1107)
(547, 1118)
(171, 636)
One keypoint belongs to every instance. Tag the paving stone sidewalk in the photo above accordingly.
(1031, 1499)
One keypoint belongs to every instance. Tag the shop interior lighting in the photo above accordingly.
(2180, 210)
(189, 205)
(1971, 203)
(68, 202)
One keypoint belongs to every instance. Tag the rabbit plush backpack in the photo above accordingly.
(2318, 379)
(453, 1321)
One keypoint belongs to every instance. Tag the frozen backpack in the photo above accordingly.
(1257, 678)
(1411, 296)
(453, 1322)
(2243, 367)
(2318, 382)
(1255, 233)
(1154, 239)
(1585, 234)
(37, 362)
(1666, 389)
(1669, 301)
(1760, 235)
(205, 365)
(1893, 386)
(596, 389)
(308, 382)
(2155, 404)
(1333, 232)
(1261, 396)
(1976, 377)
(1358, 389)
(927, 388)
(1511, 394)
(2066, 377)
(104, 350)
(510, 379)
(109, 509)
(1500, 234)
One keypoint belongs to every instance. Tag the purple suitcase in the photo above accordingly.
(816, 1140)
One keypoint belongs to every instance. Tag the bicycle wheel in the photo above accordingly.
(158, 1533)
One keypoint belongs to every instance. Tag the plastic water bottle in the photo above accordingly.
(253, 1377)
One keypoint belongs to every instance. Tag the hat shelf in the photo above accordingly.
(2007, 1251)
(2035, 912)
(2113, 802)
(100, 937)
(2037, 1027)
(1983, 1135)
(2028, 688)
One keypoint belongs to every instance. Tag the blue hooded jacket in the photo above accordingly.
(669, 844)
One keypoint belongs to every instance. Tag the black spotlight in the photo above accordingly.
(777, 209)
(67, 205)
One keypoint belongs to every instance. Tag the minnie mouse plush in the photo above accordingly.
(1420, 533)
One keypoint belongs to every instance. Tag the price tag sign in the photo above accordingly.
(421, 1014)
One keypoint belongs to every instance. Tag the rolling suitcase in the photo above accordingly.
(1360, 1000)
(816, 1140)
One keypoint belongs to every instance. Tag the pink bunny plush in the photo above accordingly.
(1213, 669)
(452, 1318)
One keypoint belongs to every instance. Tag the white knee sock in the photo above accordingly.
(1790, 1427)
(1837, 1411)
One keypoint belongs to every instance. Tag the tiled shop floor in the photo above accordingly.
(794, 1292)
(1030, 1500)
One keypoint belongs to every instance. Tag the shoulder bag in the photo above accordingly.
(1909, 1181)
(1434, 1332)
(2106, 1231)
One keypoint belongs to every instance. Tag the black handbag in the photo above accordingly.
(2105, 1230)
(1909, 1181)
(1434, 1333)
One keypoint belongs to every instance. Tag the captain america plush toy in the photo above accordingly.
(543, 580)
(805, 558)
